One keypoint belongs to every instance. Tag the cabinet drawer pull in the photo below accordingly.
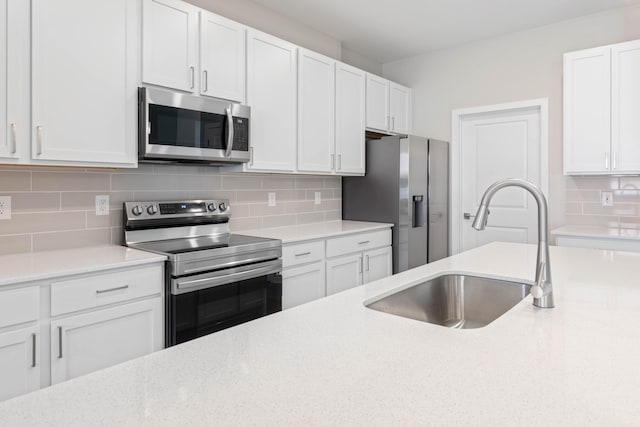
(104, 291)
(33, 350)
(59, 342)
(303, 254)
(14, 138)
(364, 243)
(39, 132)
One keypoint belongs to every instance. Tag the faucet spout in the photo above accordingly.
(542, 291)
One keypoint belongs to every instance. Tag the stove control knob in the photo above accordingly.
(211, 207)
(137, 210)
(152, 210)
(222, 207)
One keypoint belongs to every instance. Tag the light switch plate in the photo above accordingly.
(606, 198)
(272, 199)
(5, 207)
(318, 198)
(102, 205)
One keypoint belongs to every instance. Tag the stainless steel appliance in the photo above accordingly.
(214, 279)
(407, 184)
(176, 127)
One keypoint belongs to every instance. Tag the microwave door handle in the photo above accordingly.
(229, 130)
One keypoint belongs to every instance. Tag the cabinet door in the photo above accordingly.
(587, 105)
(96, 340)
(377, 103)
(303, 284)
(271, 93)
(625, 107)
(19, 362)
(399, 108)
(377, 264)
(222, 57)
(14, 80)
(316, 112)
(344, 273)
(350, 119)
(84, 75)
(169, 50)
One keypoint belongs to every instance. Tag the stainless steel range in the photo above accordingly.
(214, 279)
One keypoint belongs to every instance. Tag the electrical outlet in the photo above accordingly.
(607, 198)
(318, 198)
(272, 200)
(5, 207)
(102, 205)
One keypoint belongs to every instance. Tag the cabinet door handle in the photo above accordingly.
(333, 161)
(192, 71)
(59, 342)
(104, 291)
(339, 162)
(205, 81)
(250, 156)
(360, 265)
(303, 254)
(14, 138)
(606, 161)
(363, 243)
(393, 123)
(367, 262)
(33, 350)
(615, 160)
(40, 136)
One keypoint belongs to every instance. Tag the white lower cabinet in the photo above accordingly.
(303, 284)
(19, 362)
(344, 273)
(377, 264)
(88, 342)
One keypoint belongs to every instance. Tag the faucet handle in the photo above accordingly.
(536, 290)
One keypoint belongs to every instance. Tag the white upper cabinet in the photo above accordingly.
(350, 119)
(377, 103)
(601, 110)
(222, 57)
(271, 93)
(625, 107)
(316, 112)
(587, 118)
(83, 87)
(399, 108)
(170, 37)
(14, 80)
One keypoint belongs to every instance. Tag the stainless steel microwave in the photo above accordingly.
(176, 127)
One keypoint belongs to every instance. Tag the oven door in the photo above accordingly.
(180, 127)
(210, 302)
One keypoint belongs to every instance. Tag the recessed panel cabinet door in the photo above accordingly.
(170, 36)
(587, 111)
(222, 57)
(377, 102)
(303, 284)
(19, 362)
(399, 108)
(350, 117)
(377, 264)
(625, 107)
(84, 75)
(96, 340)
(271, 94)
(344, 273)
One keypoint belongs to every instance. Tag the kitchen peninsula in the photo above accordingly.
(336, 362)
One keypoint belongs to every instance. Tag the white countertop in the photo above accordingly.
(335, 362)
(319, 230)
(598, 232)
(28, 267)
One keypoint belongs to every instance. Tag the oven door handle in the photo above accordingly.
(224, 277)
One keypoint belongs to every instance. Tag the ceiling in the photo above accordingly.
(387, 30)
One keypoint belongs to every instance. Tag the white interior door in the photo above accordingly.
(495, 145)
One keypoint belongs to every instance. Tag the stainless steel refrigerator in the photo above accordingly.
(407, 184)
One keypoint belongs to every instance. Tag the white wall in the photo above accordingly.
(513, 67)
(362, 62)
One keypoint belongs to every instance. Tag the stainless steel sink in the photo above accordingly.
(455, 301)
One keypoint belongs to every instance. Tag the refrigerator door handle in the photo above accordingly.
(418, 211)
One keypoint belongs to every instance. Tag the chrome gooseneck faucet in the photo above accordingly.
(542, 291)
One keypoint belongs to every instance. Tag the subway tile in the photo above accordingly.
(278, 221)
(71, 239)
(299, 206)
(306, 218)
(237, 182)
(133, 182)
(180, 169)
(595, 220)
(239, 224)
(143, 168)
(333, 182)
(114, 219)
(42, 222)
(309, 182)
(592, 183)
(15, 181)
(632, 222)
(240, 210)
(15, 244)
(626, 196)
(626, 209)
(263, 209)
(141, 196)
(81, 200)
(574, 207)
(117, 236)
(583, 195)
(329, 205)
(272, 182)
(232, 196)
(34, 202)
(333, 215)
(324, 194)
(252, 196)
(71, 181)
(337, 193)
(197, 182)
(290, 195)
(630, 183)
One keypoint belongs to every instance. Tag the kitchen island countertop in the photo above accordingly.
(335, 362)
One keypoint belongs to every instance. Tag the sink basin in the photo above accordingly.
(455, 300)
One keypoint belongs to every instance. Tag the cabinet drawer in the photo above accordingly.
(19, 306)
(302, 253)
(358, 242)
(106, 288)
